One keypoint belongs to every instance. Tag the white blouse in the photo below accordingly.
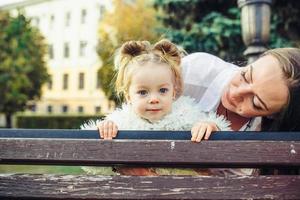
(205, 77)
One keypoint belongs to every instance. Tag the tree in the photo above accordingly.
(285, 24)
(128, 20)
(203, 25)
(22, 65)
(214, 26)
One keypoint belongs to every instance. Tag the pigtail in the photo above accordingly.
(135, 48)
(129, 50)
(168, 51)
(124, 56)
(171, 55)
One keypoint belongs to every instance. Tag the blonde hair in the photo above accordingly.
(289, 61)
(141, 52)
(288, 119)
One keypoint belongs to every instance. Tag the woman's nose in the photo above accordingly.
(238, 93)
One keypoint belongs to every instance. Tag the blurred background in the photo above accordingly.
(56, 56)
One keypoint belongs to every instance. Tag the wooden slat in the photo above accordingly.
(149, 152)
(133, 187)
(147, 135)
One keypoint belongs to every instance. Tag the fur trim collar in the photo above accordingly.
(185, 113)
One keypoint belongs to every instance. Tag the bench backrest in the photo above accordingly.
(171, 153)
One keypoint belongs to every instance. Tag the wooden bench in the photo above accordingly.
(227, 149)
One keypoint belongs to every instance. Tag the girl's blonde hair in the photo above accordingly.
(141, 52)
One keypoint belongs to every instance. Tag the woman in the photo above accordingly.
(268, 88)
(264, 95)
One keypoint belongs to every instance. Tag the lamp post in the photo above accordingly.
(255, 24)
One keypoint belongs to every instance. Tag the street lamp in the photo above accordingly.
(255, 23)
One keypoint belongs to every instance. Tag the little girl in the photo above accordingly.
(149, 78)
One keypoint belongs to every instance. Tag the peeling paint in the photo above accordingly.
(172, 145)
(146, 182)
(293, 151)
(71, 187)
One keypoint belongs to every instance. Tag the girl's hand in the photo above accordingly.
(107, 129)
(201, 129)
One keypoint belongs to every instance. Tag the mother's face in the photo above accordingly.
(257, 90)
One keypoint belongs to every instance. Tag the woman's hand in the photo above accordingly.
(107, 129)
(201, 129)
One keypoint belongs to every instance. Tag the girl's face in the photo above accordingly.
(257, 90)
(151, 91)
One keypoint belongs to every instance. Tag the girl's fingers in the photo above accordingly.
(115, 131)
(100, 129)
(194, 132)
(208, 132)
(110, 130)
(105, 130)
(201, 133)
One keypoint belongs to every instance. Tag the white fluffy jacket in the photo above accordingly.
(185, 113)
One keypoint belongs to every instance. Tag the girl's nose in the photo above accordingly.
(154, 100)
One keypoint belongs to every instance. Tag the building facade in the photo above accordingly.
(70, 28)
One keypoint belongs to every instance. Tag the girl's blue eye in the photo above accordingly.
(163, 90)
(142, 92)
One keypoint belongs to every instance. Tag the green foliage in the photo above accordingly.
(209, 26)
(53, 121)
(214, 26)
(106, 72)
(285, 24)
(22, 65)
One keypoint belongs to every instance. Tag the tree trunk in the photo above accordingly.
(8, 120)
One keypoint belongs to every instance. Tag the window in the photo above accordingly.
(82, 48)
(102, 11)
(97, 109)
(32, 107)
(98, 84)
(50, 51)
(80, 109)
(66, 50)
(49, 109)
(50, 83)
(64, 108)
(52, 19)
(83, 16)
(81, 81)
(65, 81)
(67, 19)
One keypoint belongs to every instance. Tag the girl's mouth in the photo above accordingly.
(153, 110)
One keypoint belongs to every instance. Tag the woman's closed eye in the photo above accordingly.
(243, 74)
(255, 104)
(163, 90)
(142, 92)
